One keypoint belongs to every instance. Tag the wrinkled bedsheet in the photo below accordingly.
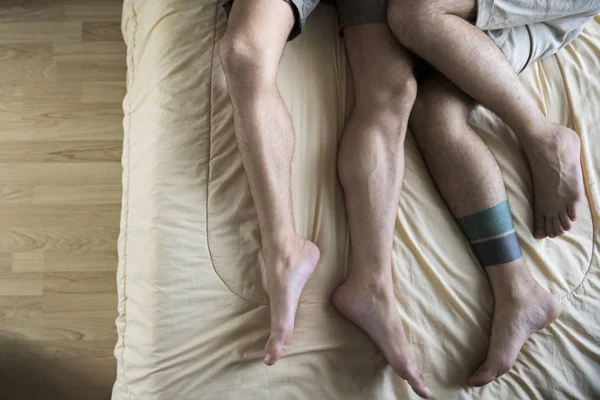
(193, 308)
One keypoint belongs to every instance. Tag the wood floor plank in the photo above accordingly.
(40, 32)
(5, 262)
(96, 173)
(94, 92)
(28, 261)
(34, 129)
(81, 194)
(89, 282)
(61, 151)
(90, 3)
(11, 104)
(96, 12)
(16, 194)
(21, 284)
(99, 112)
(52, 92)
(13, 55)
(89, 51)
(32, 10)
(42, 326)
(101, 32)
(57, 260)
(60, 215)
(90, 71)
(73, 241)
(26, 63)
(16, 308)
(58, 328)
(84, 303)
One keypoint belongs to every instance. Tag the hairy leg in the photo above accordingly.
(439, 31)
(250, 52)
(470, 181)
(371, 169)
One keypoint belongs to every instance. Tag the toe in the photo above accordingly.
(406, 368)
(558, 228)
(482, 376)
(416, 380)
(274, 346)
(572, 211)
(565, 221)
(550, 228)
(539, 227)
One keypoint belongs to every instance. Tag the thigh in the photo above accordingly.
(379, 63)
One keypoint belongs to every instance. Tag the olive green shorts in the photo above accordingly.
(350, 12)
(527, 31)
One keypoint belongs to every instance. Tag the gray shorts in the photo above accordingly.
(529, 30)
(350, 12)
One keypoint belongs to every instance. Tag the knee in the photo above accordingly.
(425, 109)
(430, 114)
(375, 132)
(399, 95)
(439, 117)
(245, 59)
(387, 101)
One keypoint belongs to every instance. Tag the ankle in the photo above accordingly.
(548, 137)
(371, 281)
(514, 296)
(281, 249)
(511, 282)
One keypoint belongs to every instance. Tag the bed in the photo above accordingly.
(193, 308)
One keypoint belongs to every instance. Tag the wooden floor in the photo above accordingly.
(62, 80)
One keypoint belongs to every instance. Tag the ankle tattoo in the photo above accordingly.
(492, 235)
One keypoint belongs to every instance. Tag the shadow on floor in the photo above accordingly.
(30, 372)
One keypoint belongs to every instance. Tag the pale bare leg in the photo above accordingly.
(371, 169)
(470, 181)
(250, 52)
(439, 31)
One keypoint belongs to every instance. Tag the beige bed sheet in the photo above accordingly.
(193, 313)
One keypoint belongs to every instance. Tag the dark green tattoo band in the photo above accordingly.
(492, 235)
(488, 223)
(498, 251)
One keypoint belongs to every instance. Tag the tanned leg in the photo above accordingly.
(439, 31)
(469, 179)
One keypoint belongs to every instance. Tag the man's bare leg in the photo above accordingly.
(470, 181)
(250, 52)
(439, 31)
(371, 169)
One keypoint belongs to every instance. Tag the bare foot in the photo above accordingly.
(514, 322)
(557, 180)
(286, 277)
(372, 307)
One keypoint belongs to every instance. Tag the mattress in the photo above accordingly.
(193, 305)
